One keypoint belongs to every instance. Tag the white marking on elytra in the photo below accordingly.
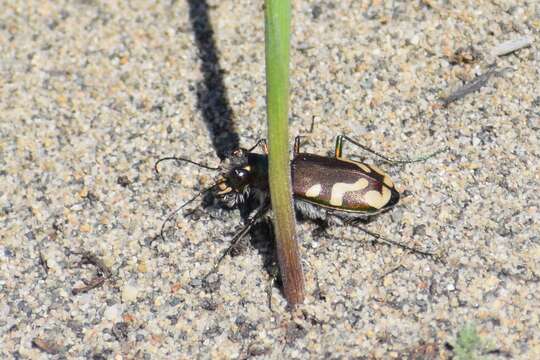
(314, 191)
(339, 190)
(377, 199)
(386, 179)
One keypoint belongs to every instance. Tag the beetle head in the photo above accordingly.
(236, 176)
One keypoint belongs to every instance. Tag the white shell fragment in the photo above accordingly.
(510, 46)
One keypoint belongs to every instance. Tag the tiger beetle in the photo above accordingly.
(328, 190)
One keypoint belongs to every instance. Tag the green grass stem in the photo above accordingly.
(277, 39)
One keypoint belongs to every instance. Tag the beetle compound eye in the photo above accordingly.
(241, 173)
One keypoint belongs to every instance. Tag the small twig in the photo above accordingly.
(43, 263)
(89, 285)
(91, 259)
(391, 271)
(475, 85)
(104, 273)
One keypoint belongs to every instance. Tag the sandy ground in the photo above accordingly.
(92, 93)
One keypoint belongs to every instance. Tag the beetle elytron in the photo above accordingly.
(325, 189)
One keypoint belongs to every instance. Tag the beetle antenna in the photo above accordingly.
(173, 214)
(341, 138)
(417, 159)
(383, 240)
(180, 159)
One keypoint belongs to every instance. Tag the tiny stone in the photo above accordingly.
(130, 293)
(113, 313)
(316, 11)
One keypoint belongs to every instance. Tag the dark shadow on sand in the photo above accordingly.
(211, 92)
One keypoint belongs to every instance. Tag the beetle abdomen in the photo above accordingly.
(341, 184)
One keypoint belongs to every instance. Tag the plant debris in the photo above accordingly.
(510, 46)
(475, 85)
(103, 273)
(46, 346)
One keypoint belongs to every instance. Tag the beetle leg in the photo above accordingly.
(339, 146)
(298, 138)
(312, 126)
(238, 236)
(297, 144)
(262, 143)
(383, 240)
(339, 152)
(321, 229)
(274, 279)
(177, 210)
